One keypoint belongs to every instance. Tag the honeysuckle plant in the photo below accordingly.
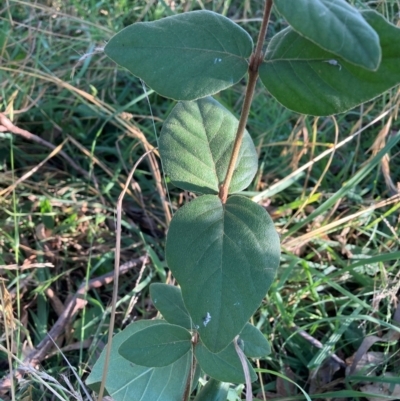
(221, 247)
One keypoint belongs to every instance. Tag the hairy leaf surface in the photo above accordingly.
(129, 382)
(335, 26)
(253, 342)
(156, 346)
(214, 390)
(307, 79)
(186, 56)
(196, 144)
(225, 258)
(224, 366)
(168, 300)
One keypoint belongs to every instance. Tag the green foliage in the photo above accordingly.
(140, 382)
(186, 56)
(253, 343)
(214, 390)
(297, 72)
(233, 257)
(336, 27)
(329, 277)
(223, 366)
(224, 252)
(196, 143)
(156, 346)
(168, 300)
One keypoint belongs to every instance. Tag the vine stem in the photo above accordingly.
(191, 373)
(116, 276)
(254, 64)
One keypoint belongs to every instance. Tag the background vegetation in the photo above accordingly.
(339, 278)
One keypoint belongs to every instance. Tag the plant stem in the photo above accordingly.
(189, 379)
(243, 360)
(116, 276)
(263, 30)
(255, 61)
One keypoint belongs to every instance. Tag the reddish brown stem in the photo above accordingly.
(255, 61)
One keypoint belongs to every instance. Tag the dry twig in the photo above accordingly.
(7, 126)
(77, 303)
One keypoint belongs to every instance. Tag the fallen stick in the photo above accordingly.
(7, 126)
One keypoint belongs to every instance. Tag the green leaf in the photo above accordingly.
(156, 346)
(225, 258)
(335, 26)
(127, 381)
(168, 300)
(186, 56)
(214, 390)
(253, 342)
(224, 366)
(196, 144)
(309, 80)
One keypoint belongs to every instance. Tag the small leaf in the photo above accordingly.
(141, 383)
(309, 80)
(168, 300)
(156, 346)
(214, 390)
(196, 144)
(225, 258)
(335, 26)
(224, 366)
(253, 342)
(186, 56)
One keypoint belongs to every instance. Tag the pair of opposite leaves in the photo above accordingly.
(329, 60)
(165, 342)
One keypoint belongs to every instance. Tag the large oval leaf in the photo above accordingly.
(186, 56)
(156, 346)
(335, 26)
(309, 80)
(224, 366)
(168, 300)
(196, 144)
(127, 381)
(225, 258)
